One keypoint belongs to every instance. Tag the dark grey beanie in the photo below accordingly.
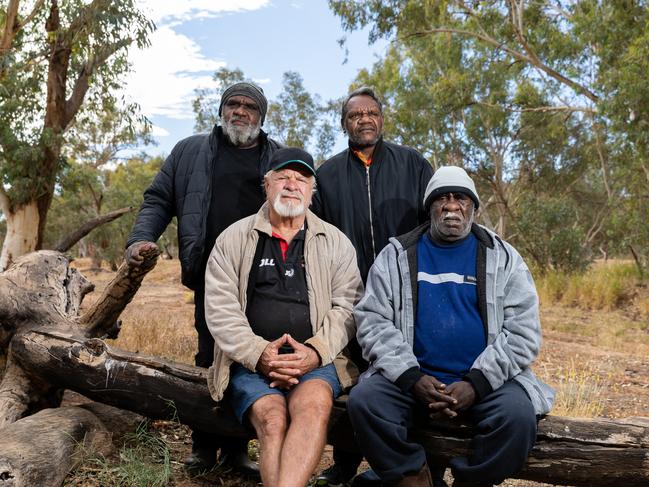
(251, 91)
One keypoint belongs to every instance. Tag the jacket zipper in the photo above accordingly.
(369, 204)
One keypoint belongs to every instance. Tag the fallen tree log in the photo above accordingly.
(51, 348)
(40, 450)
(569, 451)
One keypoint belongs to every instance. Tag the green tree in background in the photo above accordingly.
(86, 187)
(297, 118)
(58, 60)
(541, 101)
(83, 192)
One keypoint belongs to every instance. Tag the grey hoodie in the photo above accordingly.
(507, 302)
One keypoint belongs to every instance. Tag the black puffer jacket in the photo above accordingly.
(183, 188)
(393, 186)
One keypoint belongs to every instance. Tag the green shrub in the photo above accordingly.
(549, 235)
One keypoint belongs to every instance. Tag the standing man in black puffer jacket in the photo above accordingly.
(209, 182)
(371, 191)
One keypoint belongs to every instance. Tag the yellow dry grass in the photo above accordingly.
(579, 390)
(605, 285)
(158, 332)
(160, 319)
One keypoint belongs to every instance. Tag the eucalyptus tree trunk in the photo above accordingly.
(22, 232)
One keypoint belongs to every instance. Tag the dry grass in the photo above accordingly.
(143, 461)
(160, 319)
(615, 331)
(579, 391)
(160, 333)
(606, 285)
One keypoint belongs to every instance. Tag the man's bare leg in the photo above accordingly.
(268, 416)
(309, 406)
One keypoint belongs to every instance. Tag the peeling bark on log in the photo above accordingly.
(569, 451)
(101, 320)
(39, 290)
(146, 385)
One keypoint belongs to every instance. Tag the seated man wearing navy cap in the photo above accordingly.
(450, 325)
(280, 287)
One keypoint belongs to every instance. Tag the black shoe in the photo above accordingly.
(240, 462)
(367, 479)
(201, 459)
(335, 476)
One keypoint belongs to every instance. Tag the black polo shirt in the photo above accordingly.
(279, 302)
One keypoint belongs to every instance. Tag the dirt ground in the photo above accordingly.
(578, 348)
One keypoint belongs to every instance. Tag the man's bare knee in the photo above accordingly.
(314, 401)
(269, 416)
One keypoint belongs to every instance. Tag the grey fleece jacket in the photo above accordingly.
(507, 302)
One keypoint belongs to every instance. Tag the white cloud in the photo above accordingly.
(159, 131)
(166, 73)
(183, 10)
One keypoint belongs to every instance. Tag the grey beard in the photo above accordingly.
(288, 210)
(241, 135)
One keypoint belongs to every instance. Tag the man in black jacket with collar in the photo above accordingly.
(372, 191)
(208, 182)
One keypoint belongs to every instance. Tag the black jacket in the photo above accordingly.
(183, 188)
(393, 187)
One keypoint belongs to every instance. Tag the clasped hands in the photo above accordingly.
(285, 369)
(443, 399)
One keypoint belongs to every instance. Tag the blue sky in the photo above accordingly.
(264, 38)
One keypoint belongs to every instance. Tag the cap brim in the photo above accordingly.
(295, 161)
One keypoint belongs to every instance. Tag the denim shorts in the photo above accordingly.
(246, 387)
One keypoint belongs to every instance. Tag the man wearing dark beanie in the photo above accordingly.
(209, 182)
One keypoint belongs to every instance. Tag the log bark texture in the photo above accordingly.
(569, 451)
(40, 450)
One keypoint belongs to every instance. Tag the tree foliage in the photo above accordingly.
(85, 192)
(58, 61)
(544, 102)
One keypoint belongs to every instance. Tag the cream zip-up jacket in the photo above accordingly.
(333, 282)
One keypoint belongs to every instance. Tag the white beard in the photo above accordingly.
(289, 210)
(241, 135)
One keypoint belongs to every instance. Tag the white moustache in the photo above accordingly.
(293, 194)
(451, 215)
